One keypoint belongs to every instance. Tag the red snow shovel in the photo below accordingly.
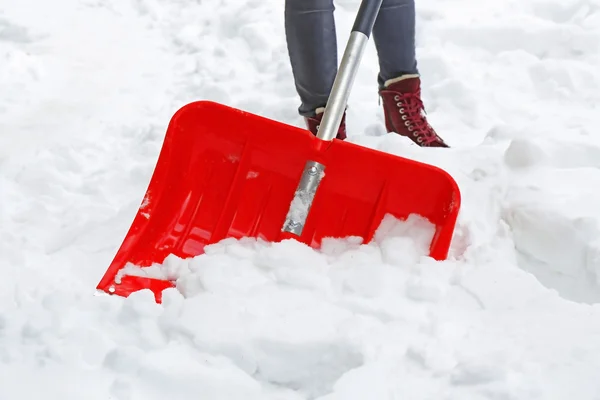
(225, 173)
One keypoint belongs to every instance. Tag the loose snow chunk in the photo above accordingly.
(404, 242)
(170, 269)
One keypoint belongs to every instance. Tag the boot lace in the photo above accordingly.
(412, 110)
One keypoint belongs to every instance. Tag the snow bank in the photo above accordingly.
(552, 208)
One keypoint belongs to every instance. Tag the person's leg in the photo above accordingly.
(312, 47)
(398, 78)
(394, 37)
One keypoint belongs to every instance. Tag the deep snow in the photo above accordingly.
(87, 89)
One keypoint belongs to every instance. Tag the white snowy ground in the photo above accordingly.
(87, 88)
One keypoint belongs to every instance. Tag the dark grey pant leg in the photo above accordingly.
(312, 46)
(394, 37)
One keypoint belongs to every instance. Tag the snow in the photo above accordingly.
(87, 90)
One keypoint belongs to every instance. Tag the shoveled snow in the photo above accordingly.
(87, 90)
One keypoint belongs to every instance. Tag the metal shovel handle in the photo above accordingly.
(342, 85)
(336, 104)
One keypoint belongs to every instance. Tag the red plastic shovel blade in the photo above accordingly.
(223, 173)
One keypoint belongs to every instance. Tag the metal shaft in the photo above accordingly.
(334, 111)
(342, 86)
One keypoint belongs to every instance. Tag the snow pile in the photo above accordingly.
(88, 87)
(553, 213)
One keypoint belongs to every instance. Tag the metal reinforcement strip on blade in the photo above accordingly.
(300, 206)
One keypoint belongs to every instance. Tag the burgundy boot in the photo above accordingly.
(313, 124)
(404, 111)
